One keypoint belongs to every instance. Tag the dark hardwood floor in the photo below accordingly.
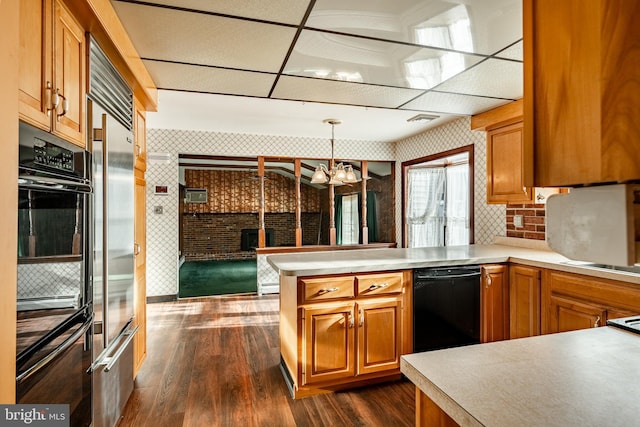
(214, 362)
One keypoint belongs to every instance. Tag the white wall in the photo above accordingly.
(162, 229)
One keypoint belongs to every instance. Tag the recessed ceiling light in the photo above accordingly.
(423, 118)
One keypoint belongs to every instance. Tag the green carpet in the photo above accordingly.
(204, 278)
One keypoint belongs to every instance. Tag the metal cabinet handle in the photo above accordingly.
(378, 286)
(361, 318)
(597, 322)
(351, 320)
(326, 291)
(65, 105)
(488, 279)
(136, 249)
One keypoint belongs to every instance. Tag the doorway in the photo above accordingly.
(438, 199)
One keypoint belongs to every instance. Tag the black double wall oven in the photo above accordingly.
(54, 307)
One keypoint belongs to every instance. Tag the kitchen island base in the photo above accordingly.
(340, 331)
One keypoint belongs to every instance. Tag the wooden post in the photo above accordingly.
(332, 207)
(261, 230)
(298, 175)
(364, 172)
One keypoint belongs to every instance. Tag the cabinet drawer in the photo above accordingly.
(319, 289)
(378, 284)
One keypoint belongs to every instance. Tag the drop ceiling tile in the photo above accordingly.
(512, 52)
(173, 35)
(345, 58)
(493, 77)
(480, 26)
(335, 92)
(283, 11)
(453, 103)
(196, 78)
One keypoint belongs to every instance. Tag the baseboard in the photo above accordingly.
(161, 298)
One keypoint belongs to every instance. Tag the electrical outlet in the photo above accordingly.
(158, 210)
(518, 221)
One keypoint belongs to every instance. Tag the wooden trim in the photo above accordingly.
(210, 157)
(320, 248)
(365, 227)
(261, 231)
(528, 124)
(498, 117)
(9, 46)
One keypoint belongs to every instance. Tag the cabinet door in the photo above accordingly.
(379, 335)
(524, 301)
(35, 62)
(494, 303)
(140, 146)
(328, 344)
(140, 296)
(568, 314)
(69, 69)
(579, 68)
(505, 166)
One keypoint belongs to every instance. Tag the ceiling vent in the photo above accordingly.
(423, 118)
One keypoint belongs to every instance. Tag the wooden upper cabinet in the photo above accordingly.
(524, 301)
(52, 67)
(505, 172)
(494, 303)
(509, 159)
(35, 77)
(140, 132)
(582, 103)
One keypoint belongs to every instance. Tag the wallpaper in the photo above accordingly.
(162, 210)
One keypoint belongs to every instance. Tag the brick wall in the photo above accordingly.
(533, 216)
(216, 236)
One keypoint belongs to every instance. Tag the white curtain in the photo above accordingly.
(350, 220)
(425, 212)
(457, 205)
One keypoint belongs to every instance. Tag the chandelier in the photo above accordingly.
(338, 174)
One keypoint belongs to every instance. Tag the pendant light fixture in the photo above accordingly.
(338, 174)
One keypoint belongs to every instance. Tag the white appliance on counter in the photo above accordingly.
(599, 224)
(110, 111)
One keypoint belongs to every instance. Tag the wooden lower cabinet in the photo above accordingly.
(353, 339)
(494, 303)
(524, 301)
(575, 301)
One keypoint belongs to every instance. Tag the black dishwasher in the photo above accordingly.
(446, 307)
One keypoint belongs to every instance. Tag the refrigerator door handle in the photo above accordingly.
(109, 361)
(58, 350)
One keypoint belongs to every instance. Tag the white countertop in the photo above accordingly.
(580, 378)
(365, 260)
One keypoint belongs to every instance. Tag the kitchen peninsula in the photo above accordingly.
(580, 378)
(346, 316)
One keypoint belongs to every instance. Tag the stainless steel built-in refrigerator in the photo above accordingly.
(113, 264)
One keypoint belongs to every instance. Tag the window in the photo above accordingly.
(438, 199)
(350, 220)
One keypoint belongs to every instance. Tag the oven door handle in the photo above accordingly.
(45, 183)
(57, 351)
